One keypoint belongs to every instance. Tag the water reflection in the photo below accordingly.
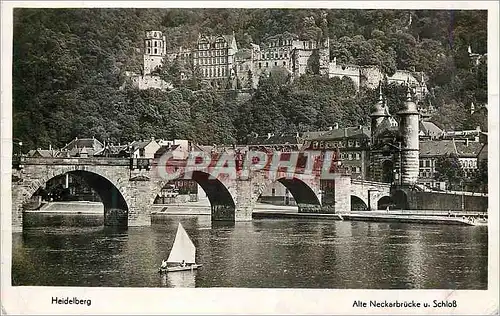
(179, 279)
(258, 254)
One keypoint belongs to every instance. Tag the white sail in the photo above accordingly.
(183, 248)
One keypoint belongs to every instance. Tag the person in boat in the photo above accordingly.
(163, 264)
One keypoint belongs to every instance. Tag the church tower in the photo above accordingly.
(408, 127)
(155, 50)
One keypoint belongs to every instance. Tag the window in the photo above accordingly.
(149, 44)
(156, 51)
(260, 65)
(218, 72)
(284, 63)
(358, 156)
(427, 163)
(276, 63)
(350, 156)
(156, 43)
(210, 72)
(421, 163)
(149, 50)
(267, 64)
(351, 143)
(273, 192)
(357, 143)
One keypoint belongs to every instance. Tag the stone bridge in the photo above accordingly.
(374, 195)
(128, 187)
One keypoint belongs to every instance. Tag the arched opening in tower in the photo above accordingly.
(74, 190)
(387, 171)
(357, 204)
(291, 192)
(400, 200)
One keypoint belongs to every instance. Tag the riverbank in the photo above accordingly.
(273, 211)
(375, 217)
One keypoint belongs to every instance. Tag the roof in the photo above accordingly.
(112, 150)
(346, 132)
(312, 135)
(196, 147)
(282, 139)
(43, 153)
(430, 129)
(230, 39)
(141, 144)
(483, 153)
(436, 147)
(83, 142)
(445, 147)
(468, 149)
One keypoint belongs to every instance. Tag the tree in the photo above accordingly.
(448, 169)
(480, 177)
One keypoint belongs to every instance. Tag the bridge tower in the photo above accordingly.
(408, 128)
(155, 50)
(378, 115)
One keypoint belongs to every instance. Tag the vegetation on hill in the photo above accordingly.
(69, 68)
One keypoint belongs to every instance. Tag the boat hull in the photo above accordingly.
(176, 269)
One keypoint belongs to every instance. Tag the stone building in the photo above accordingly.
(295, 56)
(155, 50)
(214, 56)
(430, 150)
(350, 71)
(370, 77)
(353, 144)
(144, 148)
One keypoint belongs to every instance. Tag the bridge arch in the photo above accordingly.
(112, 194)
(384, 202)
(222, 201)
(304, 195)
(358, 203)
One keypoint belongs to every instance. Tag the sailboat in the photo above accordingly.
(182, 255)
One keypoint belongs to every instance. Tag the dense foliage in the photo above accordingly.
(448, 169)
(69, 65)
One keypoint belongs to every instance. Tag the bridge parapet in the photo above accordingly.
(381, 185)
(78, 161)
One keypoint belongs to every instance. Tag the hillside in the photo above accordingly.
(69, 65)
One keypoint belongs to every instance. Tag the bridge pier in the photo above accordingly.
(310, 208)
(336, 196)
(245, 199)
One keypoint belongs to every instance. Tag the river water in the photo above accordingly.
(267, 253)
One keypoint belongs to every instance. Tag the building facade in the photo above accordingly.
(214, 56)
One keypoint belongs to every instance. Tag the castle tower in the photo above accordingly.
(324, 57)
(155, 50)
(409, 141)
